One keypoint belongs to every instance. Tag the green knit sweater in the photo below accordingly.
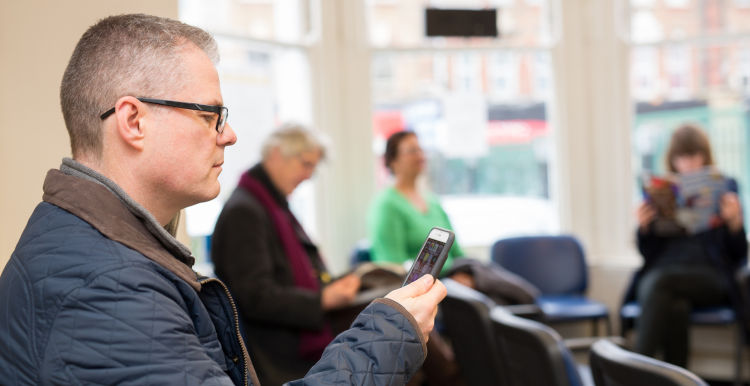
(398, 229)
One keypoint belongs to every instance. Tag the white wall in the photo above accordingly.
(36, 40)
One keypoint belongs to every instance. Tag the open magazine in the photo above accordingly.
(686, 203)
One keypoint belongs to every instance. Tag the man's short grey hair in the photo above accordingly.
(293, 139)
(127, 55)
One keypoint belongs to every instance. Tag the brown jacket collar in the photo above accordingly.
(100, 208)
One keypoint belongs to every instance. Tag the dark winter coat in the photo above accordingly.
(248, 257)
(90, 296)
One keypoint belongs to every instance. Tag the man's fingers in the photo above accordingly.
(427, 329)
(417, 288)
(436, 294)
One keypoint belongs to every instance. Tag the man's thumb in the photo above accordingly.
(419, 287)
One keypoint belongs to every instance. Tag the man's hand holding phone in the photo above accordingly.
(421, 299)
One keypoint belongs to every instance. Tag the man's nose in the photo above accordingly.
(227, 137)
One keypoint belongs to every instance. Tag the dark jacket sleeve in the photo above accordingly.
(243, 256)
(384, 347)
(736, 243)
(127, 326)
(733, 246)
(649, 244)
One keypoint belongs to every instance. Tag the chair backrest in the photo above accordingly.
(614, 366)
(742, 276)
(467, 324)
(554, 264)
(533, 353)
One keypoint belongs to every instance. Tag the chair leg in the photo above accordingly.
(609, 325)
(739, 346)
(596, 326)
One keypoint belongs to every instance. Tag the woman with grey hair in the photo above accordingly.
(274, 270)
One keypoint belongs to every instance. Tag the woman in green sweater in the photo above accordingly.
(401, 216)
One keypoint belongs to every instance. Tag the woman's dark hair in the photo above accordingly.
(688, 139)
(391, 147)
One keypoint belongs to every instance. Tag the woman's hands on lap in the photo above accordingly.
(340, 293)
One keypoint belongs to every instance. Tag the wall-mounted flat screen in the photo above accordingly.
(461, 22)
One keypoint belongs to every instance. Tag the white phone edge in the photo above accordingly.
(438, 235)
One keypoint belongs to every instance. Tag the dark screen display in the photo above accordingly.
(461, 22)
(426, 260)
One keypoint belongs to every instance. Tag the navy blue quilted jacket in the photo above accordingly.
(89, 296)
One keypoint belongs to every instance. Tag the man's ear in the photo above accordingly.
(129, 113)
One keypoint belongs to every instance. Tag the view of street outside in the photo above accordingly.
(690, 62)
(479, 107)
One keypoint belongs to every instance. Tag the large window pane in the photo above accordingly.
(482, 119)
(705, 82)
(263, 85)
(657, 20)
(401, 23)
(287, 21)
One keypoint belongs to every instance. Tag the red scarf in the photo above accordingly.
(312, 343)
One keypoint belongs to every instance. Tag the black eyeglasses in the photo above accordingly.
(221, 110)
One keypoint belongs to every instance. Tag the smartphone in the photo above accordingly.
(432, 256)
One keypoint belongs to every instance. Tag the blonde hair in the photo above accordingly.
(293, 139)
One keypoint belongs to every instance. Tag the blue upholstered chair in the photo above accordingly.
(614, 366)
(557, 266)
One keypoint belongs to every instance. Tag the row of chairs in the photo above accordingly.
(557, 266)
(495, 347)
(554, 264)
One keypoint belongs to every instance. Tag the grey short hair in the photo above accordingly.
(293, 139)
(137, 55)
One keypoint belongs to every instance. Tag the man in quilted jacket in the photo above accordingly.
(98, 291)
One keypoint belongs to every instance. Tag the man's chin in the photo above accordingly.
(207, 195)
(214, 192)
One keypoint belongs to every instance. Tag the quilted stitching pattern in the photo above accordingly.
(381, 348)
(77, 308)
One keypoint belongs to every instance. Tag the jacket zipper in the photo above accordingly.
(236, 323)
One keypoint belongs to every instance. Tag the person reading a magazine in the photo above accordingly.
(692, 237)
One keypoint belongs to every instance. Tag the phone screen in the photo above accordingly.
(426, 260)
